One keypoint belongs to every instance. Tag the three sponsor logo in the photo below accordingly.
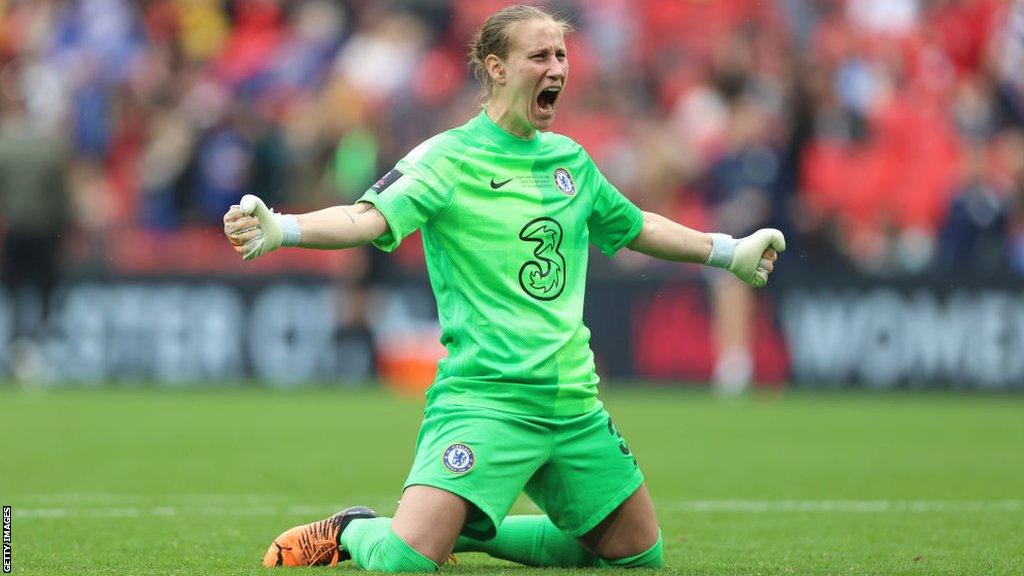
(543, 277)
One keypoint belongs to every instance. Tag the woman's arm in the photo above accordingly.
(751, 259)
(668, 240)
(341, 226)
(254, 229)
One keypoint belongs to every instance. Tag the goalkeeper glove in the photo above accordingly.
(276, 230)
(744, 257)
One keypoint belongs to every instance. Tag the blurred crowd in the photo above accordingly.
(885, 135)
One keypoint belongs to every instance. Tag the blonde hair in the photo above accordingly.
(493, 38)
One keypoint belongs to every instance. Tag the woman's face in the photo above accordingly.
(534, 75)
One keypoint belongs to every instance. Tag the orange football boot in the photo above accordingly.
(314, 544)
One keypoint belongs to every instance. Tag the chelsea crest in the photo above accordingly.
(564, 182)
(458, 458)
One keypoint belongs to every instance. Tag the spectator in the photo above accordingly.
(741, 183)
(34, 214)
(974, 235)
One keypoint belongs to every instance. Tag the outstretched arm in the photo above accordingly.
(254, 229)
(668, 240)
(751, 259)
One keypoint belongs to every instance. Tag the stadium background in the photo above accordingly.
(884, 137)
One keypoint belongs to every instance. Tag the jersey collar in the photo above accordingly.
(502, 138)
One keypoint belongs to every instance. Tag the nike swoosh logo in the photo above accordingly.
(496, 185)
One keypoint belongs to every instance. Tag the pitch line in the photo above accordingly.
(830, 506)
(683, 506)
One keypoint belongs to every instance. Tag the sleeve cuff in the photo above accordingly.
(391, 238)
(628, 237)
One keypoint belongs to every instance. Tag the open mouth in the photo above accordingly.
(547, 98)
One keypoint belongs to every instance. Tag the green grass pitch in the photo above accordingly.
(129, 481)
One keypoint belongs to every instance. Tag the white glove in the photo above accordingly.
(276, 230)
(745, 257)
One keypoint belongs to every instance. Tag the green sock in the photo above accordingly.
(374, 546)
(651, 558)
(533, 541)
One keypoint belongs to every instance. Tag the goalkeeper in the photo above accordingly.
(507, 211)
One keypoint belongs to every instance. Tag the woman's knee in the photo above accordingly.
(631, 530)
(429, 520)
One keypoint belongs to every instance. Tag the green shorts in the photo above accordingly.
(578, 469)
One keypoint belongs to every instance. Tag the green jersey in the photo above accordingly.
(506, 223)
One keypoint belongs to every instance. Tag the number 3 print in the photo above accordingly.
(543, 278)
